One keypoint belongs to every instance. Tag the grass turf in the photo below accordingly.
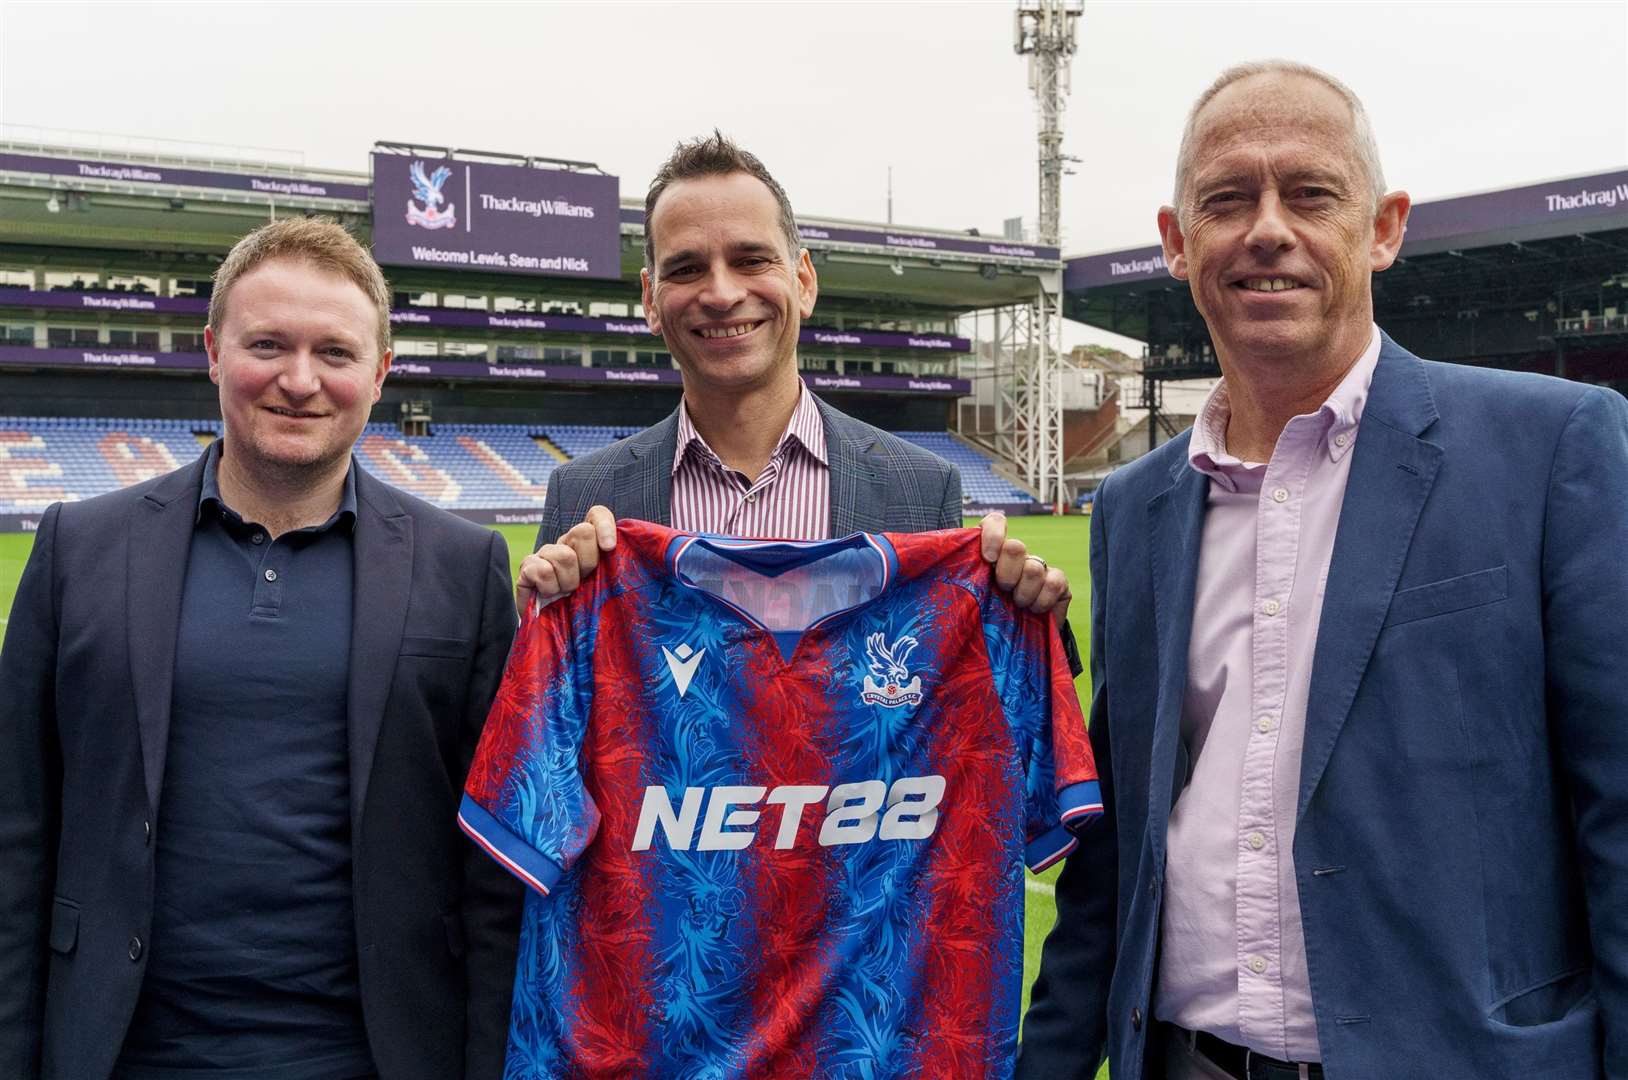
(1061, 541)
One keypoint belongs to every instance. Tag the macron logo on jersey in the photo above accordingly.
(682, 662)
(853, 813)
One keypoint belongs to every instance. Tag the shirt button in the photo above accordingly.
(751, 496)
(1263, 725)
(271, 575)
(259, 538)
(147, 832)
(135, 949)
(1271, 607)
(1136, 1019)
(1257, 964)
(1257, 841)
(1341, 439)
(1280, 495)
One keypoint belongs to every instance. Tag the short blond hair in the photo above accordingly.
(323, 243)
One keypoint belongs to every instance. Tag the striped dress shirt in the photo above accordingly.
(789, 500)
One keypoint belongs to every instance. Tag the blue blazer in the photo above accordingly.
(1461, 852)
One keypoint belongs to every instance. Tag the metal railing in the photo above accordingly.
(1592, 324)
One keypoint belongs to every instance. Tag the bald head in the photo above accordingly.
(1282, 95)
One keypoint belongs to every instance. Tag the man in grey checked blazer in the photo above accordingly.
(727, 285)
(879, 482)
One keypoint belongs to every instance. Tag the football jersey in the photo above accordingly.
(774, 800)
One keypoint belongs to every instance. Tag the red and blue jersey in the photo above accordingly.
(775, 800)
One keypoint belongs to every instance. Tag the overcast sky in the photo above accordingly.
(1464, 96)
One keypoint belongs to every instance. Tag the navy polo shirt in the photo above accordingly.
(252, 970)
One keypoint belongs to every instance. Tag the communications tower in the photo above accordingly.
(1029, 401)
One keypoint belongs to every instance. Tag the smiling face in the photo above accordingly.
(1278, 235)
(298, 364)
(726, 294)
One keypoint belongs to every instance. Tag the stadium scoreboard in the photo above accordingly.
(453, 214)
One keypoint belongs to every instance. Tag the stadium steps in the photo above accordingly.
(548, 444)
(981, 483)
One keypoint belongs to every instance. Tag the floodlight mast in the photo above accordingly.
(1029, 398)
(1046, 31)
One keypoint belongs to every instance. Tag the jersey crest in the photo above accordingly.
(889, 682)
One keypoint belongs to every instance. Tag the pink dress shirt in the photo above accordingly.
(1232, 951)
(789, 500)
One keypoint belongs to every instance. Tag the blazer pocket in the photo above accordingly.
(64, 925)
(1449, 595)
(444, 648)
(1546, 1002)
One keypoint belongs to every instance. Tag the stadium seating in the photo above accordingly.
(979, 482)
(459, 466)
(44, 461)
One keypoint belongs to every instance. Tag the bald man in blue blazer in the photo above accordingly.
(1446, 857)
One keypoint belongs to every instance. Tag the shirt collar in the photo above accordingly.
(209, 495)
(806, 429)
(1341, 412)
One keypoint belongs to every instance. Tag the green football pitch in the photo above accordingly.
(1061, 541)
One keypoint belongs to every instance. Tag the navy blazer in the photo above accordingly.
(85, 683)
(1461, 848)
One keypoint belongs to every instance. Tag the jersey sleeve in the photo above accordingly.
(524, 801)
(1061, 793)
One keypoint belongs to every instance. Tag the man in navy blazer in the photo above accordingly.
(237, 705)
(1358, 660)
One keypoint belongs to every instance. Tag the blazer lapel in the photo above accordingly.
(1176, 525)
(1392, 471)
(644, 482)
(157, 541)
(382, 574)
(858, 488)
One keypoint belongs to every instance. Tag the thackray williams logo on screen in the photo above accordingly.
(428, 191)
(889, 682)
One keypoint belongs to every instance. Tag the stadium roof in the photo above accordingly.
(89, 202)
(1496, 274)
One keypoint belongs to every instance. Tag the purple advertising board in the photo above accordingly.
(577, 324)
(417, 368)
(100, 302)
(1467, 219)
(103, 302)
(99, 357)
(1555, 201)
(902, 240)
(133, 173)
(510, 219)
(925, 244)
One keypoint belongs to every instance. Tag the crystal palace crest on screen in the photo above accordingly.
(428, 190)
(889, 682)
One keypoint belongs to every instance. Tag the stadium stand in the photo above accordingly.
(980, 484)
(462, 467)
(578, 440)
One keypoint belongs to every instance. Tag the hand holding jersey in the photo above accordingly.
(557, 569)
(775, 800)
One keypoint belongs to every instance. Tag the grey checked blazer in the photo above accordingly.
(879, 482)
